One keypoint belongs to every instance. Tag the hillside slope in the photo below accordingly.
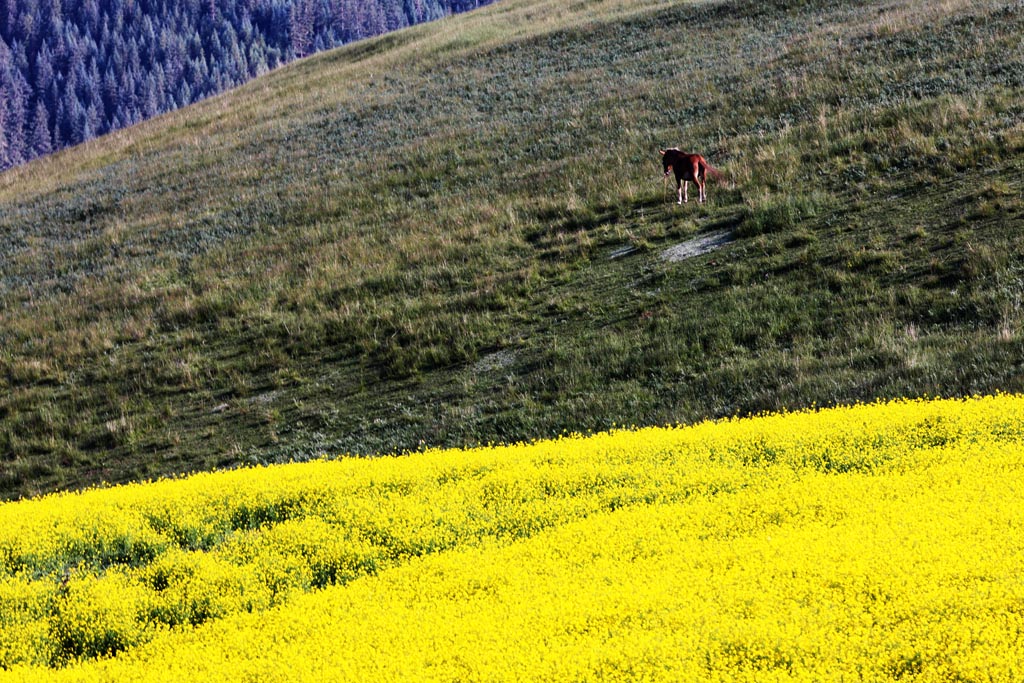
(454, 234)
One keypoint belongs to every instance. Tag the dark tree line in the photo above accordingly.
(71, 70)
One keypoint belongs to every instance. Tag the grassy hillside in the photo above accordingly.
(455, 233)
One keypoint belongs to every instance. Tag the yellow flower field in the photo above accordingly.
(868, 543)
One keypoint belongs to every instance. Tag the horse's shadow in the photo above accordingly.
(647, 218)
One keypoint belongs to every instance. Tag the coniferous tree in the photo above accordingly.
(44, 69)
(40, 141)
(5, 161)
(150, 97)
(300, 24)
(108, 93)
(15, 101)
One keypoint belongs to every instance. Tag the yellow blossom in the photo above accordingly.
(872, 542)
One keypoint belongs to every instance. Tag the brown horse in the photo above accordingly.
(687, 167)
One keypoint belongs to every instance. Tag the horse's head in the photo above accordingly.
(668, 156)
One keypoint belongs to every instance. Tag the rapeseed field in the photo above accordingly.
(866, 543)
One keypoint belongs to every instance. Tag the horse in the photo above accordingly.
(688, 167)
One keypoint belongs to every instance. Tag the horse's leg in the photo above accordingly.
(703, 192)
(686, 192)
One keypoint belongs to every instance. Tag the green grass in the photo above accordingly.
(409, 241)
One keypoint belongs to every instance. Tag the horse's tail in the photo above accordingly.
(713, 172)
